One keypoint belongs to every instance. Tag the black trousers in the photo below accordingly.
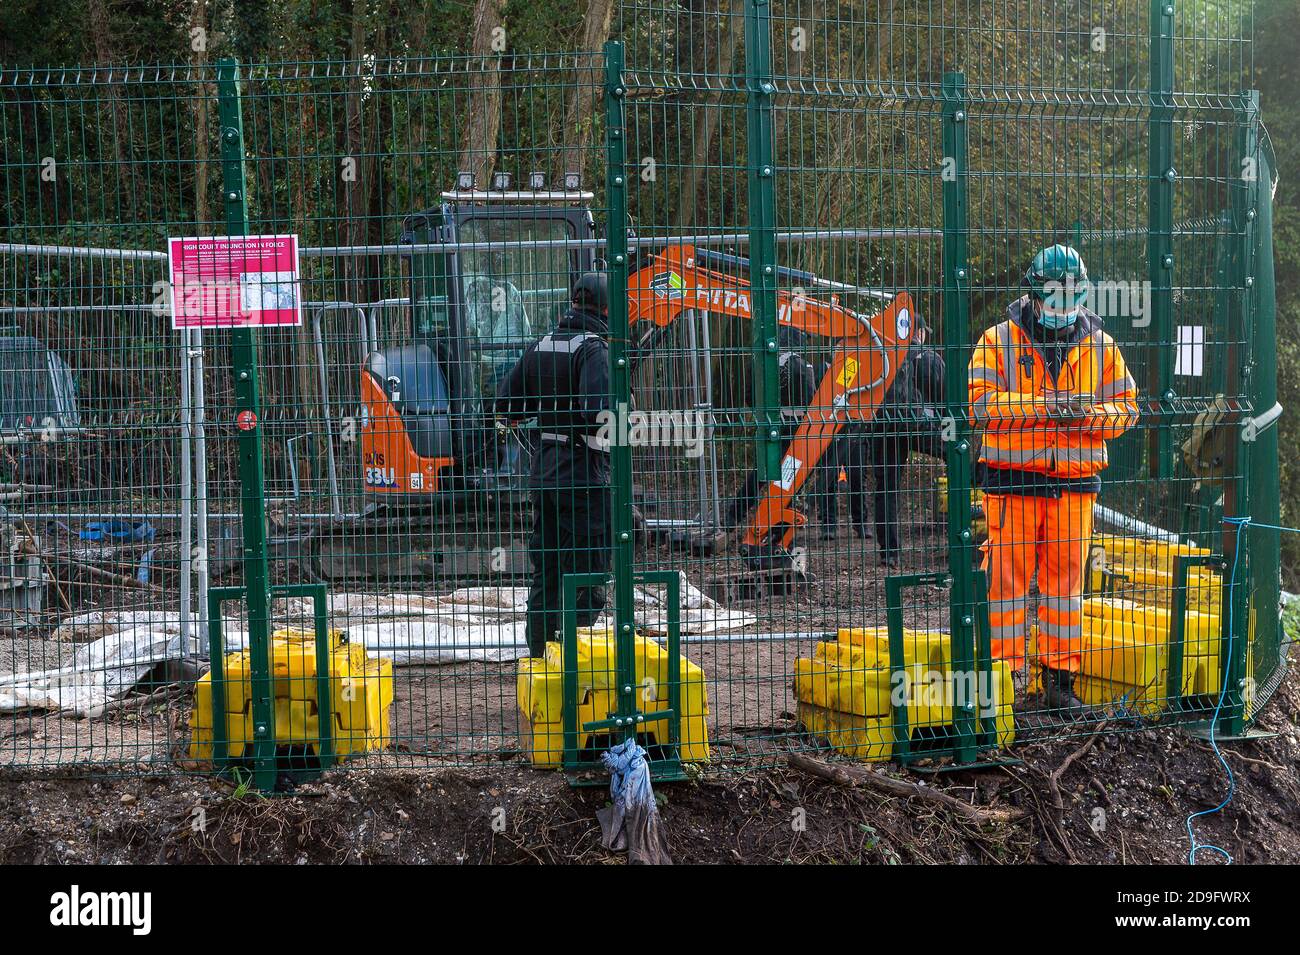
(856, 463)
(889, 453)
(571, 535)
(888, 460)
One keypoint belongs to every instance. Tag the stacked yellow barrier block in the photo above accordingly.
(360, 688)
(539, 687)
(845, 695)
(1126, 634)
(1143, 570)
(1126, 654)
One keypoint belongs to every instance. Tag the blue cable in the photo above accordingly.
(1241, 524)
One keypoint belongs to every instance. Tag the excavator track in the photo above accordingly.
(388, 547)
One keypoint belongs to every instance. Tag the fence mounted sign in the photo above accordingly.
(238, 281)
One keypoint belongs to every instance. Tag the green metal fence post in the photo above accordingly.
(251, 478)
(956, 321)
(1161, 177)
(620, 385)
(761, 165)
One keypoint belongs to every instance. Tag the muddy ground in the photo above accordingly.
(469, 710)
(1122, 797)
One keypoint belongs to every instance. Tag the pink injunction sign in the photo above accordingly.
(236, 281)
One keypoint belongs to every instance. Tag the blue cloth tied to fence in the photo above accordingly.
(632, 822)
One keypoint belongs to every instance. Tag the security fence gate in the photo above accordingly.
(336, 519)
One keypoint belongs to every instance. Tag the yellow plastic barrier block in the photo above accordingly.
(859, 691)
(868, 646)
(868, 738)
(1143, 569)
(360, 690)
(871, 738)
(1125, 654)
(539, 688)
(846, 690)
(541, 684)
(1141, 551)
(238, 733)
(361, 704)
(1137, 621)
(237, 682)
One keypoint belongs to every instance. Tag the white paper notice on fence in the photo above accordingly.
(1189, 356)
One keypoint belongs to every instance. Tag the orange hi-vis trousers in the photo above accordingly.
(1046, 534)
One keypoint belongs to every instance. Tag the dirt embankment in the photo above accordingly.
(1122, 797)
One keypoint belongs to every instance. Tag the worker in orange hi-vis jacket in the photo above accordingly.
(1048, 388)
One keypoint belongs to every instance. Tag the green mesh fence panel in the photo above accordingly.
(757, 181)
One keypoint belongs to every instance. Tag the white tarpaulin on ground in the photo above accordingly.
(472, 623)
(486, 623)
(122, 649)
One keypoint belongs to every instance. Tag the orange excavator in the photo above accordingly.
(487, 269)
(869, 351)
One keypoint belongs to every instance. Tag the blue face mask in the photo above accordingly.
(1053, 320)
(1056, 321)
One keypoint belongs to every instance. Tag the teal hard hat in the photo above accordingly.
(1058, 278)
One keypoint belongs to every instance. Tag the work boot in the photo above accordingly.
(1058, 694)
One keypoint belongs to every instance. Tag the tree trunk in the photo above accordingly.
(357, 168)
(304, 348)
(199, 60)
(101, 29)
(707, 112)
(479, 139)
(836, 189)
(579, 116)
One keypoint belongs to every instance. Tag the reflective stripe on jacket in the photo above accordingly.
(1007, 384)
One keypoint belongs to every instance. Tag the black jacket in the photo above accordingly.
(914, 401)
(562, 380)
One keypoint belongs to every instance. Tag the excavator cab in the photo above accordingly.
(490, 271)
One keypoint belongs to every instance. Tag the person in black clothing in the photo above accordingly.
(852, 441)
(562, 379)
(908, 420)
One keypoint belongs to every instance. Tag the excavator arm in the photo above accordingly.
(868, 352)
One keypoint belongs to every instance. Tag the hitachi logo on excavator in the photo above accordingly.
(728, 298)
(738, 301)
(668, 285)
